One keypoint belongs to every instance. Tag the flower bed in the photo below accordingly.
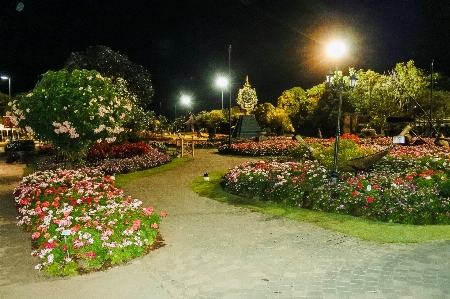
(79, 222)
(409, 186)
(151, 157)
(104, 150)
(271, 147)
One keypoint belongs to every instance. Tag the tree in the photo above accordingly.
(211, 121)
(297, 104)
(114, 65)
(4, 100)
(73, 110)
(402, 92)
(274, 119)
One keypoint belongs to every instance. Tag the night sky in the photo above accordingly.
(183, 44)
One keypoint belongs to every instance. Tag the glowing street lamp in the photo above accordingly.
(3, 77)
(335, 50)
(222, 82)
(186, 101)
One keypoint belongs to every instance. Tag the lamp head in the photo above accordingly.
(3, 77)
(186, 100)
(330, 77)
(222, 82)
(336, 49)
(353, 80)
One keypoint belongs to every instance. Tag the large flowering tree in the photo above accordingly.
(73, 110)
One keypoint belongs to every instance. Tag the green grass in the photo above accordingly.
(357, 227)
(123, 179)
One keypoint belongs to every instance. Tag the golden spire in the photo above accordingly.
(247, 84)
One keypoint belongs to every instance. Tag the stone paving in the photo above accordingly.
(215, 250)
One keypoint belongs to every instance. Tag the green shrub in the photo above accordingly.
(348, 149)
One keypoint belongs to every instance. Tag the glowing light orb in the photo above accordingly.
(336, 49)
(186, 100)
(222, 82)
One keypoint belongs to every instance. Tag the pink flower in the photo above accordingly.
(35, 235)
(136, 224)
(164, 214)
(155, 225)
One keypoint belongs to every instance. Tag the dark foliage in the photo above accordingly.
(114, 65)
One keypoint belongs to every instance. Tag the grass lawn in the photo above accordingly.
(357, 227)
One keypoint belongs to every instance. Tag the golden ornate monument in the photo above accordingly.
(247, 98)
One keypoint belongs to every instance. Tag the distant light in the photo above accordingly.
(186, 100)
(222, 82)
(4, 77)
(336, 49)
(20, 6)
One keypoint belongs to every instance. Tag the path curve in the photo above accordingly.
(215, 250)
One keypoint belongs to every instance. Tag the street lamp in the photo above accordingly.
(186, 101)
(3, 77)
(222, 82)
(335, 50)
(229, 91)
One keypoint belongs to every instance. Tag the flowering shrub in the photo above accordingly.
(80, 222)
(410, 185)
(348, 149)
(151, 158)
(159, 145)
(103, 150)
(72, 110)
(271, 147)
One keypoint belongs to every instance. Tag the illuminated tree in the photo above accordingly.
(274, 119)
(211, 120)
(4, 100)
(73, 110)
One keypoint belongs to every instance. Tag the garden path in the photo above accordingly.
(215, 250)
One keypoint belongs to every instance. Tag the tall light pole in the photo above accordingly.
(431, 98)
(186, 101)
(3, 77)
(229, 91)
(222, 82)
(335, 50)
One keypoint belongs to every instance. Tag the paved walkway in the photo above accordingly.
(214, 250)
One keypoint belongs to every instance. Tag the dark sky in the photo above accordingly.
(279, 44)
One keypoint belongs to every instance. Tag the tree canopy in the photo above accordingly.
(404, 92)
(73, 110)
(114, 65)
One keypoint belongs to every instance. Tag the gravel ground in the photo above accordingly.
(214, 250)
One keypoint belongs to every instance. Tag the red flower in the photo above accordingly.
(355, 193)
(369, 199)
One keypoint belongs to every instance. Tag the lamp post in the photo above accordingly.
(222, 82)
(3, 77)
(229, 91)
(340, 88)
(335, 50)
(186, 101)
(431, 98)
